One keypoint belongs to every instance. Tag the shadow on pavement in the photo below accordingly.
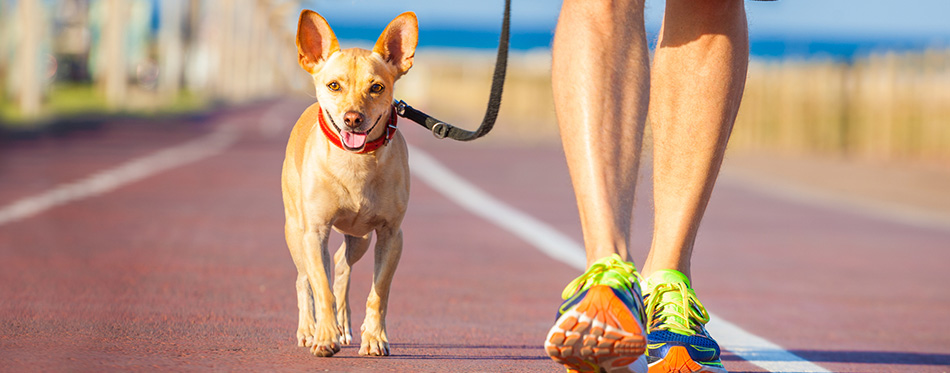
(464, 352)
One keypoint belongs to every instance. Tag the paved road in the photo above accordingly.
(187, 269)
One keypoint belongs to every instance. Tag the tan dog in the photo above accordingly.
(342, 174)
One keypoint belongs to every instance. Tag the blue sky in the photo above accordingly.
(821, 19)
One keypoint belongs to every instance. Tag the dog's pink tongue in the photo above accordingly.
(354, 140)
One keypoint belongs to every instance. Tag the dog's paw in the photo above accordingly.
(302, 339)
(346, 338)
(305, 336)
(325, 341)
(374, 344)
(346, 335)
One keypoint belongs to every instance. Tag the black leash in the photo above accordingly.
(441, 129)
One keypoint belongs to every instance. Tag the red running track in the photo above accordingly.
(188, 270)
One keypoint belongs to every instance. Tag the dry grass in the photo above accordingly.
(885, 107)
(454, 87)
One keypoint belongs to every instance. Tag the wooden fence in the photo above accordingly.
(883, 107)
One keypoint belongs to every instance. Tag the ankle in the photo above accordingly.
(653, 265)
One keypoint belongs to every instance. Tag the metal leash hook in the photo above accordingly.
(400, 107)
(442, 129)
(439, 128)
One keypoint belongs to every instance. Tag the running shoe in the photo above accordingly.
(599, 326)
(678, 340)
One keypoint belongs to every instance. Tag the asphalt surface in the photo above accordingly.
(187, 269)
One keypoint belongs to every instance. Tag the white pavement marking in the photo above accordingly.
(278, 120)
(758, 350)
(540, 235)
(558, 246)
(110, 179)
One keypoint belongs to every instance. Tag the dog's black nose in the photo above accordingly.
(352, 119)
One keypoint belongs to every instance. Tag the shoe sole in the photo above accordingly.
(677, 360)
(599, 334)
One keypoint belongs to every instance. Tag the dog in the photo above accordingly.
(347, 169)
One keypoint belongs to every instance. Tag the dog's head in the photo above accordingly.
(355, 86)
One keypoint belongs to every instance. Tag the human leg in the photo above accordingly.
(699, 71)
(600, 80)
(698, 76)
(600, 77)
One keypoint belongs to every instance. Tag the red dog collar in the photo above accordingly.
(334, 137)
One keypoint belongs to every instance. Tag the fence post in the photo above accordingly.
(171, 48)
(113, 64)
(28, 61)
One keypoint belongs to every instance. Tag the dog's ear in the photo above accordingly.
(315, 41)
(397, 44)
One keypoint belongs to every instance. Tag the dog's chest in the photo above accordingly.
(367, 201)
(361, 211)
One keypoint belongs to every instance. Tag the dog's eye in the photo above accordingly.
(334, 86)
(376, 88)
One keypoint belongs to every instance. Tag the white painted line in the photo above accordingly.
(540, 235)
(108, 180)
(758, 350)
(558, 246)
(278, 120)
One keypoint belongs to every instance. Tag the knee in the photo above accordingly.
(599, 10)
(721, 11)
(688, 20)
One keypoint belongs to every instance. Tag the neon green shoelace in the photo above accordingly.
(674, 307)
(612, 271)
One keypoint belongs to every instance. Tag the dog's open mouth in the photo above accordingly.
(353, 140)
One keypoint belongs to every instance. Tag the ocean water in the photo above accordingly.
(845, 50)
(521, 40)
(762, 47)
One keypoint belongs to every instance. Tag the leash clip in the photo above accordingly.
(440, 130)
(400, 107)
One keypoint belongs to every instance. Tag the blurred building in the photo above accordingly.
(142, 54)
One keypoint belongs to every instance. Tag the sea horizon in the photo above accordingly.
(768, 47)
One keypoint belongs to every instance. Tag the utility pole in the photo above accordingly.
(224, 33)
(171, 56)
(4, 64)
(28, 59)
(113, 64)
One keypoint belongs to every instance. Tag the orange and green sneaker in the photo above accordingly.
(600, 325)
(678, 340)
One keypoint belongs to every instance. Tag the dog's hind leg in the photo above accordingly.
(305, 306)
(350, 252)
(388, 250)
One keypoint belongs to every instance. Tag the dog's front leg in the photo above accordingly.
(388, 250)
(305, 308)
(350, 252)
(294, 233)
(326, 332)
